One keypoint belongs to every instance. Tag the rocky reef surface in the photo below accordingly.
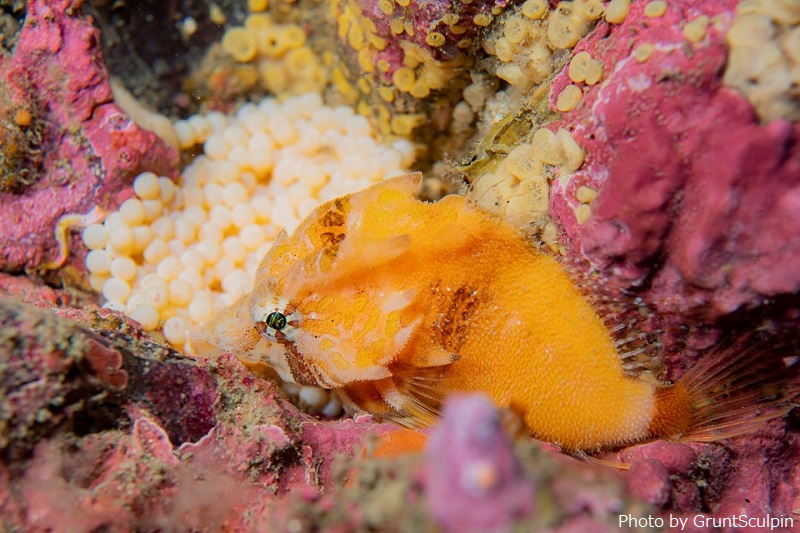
(63, 130)
(687, 173)
(105, 427)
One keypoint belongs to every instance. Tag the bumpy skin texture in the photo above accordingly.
(91, 149)
(399, 303)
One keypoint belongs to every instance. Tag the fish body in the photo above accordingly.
(399, 303)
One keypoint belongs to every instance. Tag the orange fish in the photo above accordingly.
(397, 303)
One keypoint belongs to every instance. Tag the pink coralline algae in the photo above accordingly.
(56, 372)
(698, 202)
(695, 215)
(104, 428)
(475, 482)
(90, 149)
(756, 475)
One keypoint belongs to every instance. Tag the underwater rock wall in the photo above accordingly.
(105, 427)
(696, 198)
(87, 149)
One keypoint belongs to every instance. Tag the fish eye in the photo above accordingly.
(276, 320)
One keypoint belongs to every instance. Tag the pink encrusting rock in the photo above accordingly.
(104, 428)
(696, 214)
(90, 150)
(697, 201)
(474, 480)
(753, 475)
(677, 476)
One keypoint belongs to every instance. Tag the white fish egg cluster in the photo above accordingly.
(174, 254)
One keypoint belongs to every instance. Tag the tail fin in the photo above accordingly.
(734, 391)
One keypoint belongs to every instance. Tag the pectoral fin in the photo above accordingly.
(435, 356)
(416, 394)
(409, 397)
(412, 406)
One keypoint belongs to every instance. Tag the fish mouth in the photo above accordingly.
(297, 366)
(261, 328)
(292, 361)
(302, 372)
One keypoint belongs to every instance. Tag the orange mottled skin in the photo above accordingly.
(398, 302)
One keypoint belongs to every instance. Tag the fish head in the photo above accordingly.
(323, 293)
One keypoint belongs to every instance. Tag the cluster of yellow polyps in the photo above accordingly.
(764, 60)
(519, 187)
(527, 40)
(284, 62)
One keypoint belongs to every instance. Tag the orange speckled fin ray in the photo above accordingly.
(602, 461)
(413, 414)
(422, 395)
(413, 396)
(734, 394)
(433, 357)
